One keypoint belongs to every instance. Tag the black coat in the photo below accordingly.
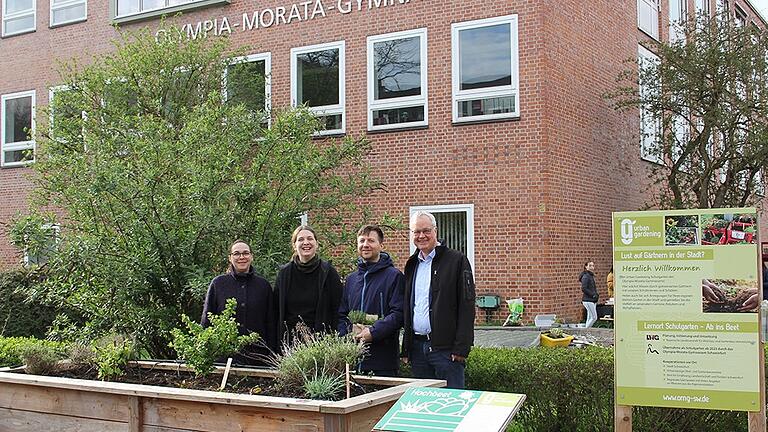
(254, 311)
(377, 289)
(451, 302)
(329, 296)
(588, 287)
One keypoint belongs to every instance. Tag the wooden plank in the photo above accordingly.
(210, 417)
(64, 401)
(26, 421)
(364, 420)
(136, 414)
(162, 392)
(622, 418)
(756, 420)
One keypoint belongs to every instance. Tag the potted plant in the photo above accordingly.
(360, 320)
(555, 337)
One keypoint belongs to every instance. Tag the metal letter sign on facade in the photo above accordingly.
(687, 287)
(449, 410)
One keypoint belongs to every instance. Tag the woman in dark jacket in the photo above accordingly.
(589, 292)
(307, 289)
(254, 313)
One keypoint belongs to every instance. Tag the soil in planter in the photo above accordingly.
(188, 380)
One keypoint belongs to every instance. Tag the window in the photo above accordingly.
(317, 80)
(722, 7)
(740, 15)
(45, 247)
(702, 7)
(68, 11)
(18, 124)
(397, 80)
(19, 16)
(248, 82)
(484, 69)
(678, 14)
(455, 227)
(648, 17)
(63, 117)
(649, 124)
(139, 9)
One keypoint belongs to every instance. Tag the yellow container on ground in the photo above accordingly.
(561, 342)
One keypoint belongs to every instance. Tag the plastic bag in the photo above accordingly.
(516, 308)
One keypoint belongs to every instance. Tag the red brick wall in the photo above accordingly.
(543, 186)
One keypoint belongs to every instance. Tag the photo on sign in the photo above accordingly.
(729, 229)
(729, 295)
(681, 230)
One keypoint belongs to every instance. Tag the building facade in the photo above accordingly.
(489, 113)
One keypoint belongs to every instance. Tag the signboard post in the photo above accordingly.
(688, 293)
(449, 410)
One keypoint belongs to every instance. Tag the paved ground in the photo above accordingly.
(529, 336)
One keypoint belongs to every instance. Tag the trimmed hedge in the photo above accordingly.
(18, 316)
(572, 390)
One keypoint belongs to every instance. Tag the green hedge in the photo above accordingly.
(572, 390)
(18, 317)
(10, 348)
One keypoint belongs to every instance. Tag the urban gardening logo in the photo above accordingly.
(639, 231)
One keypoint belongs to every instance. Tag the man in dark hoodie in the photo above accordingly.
(589, 292)
(376, 288)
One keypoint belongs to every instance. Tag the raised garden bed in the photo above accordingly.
(31, 403)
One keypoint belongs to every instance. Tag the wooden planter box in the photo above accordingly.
(30, 403)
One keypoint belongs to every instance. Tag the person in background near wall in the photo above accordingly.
(609, 283)
(439, 306)
(308, 289)
(254, 311)
(376, 288)
(589, 292)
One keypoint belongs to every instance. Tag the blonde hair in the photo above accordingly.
(295, 235)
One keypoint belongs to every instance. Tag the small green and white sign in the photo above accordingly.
(449, 410)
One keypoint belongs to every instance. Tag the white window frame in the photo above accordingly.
(513, 89)
(22, 145)
(653, 8)
(400, 102)
(24, 13)
(64, 5)
(325, 110)
(469, 209)
(644, 55)
(740, 16)
(56, 229)
(266, 57)
(678, 15)
(703, 6)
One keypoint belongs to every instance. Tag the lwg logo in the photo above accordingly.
(627, 231)
(651, 337)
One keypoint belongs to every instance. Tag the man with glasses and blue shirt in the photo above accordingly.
(439, 306)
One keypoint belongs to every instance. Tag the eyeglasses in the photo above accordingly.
(241, 254)
(425, 231)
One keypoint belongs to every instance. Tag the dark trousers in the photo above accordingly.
(433, 364)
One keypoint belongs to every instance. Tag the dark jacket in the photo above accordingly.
(377, 289)
(588, 287)
(254, 311)
(329, 296)
(451, 302)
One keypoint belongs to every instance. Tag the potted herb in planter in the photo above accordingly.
(360, 320)
(555, 337)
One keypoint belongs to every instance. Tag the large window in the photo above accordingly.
(317, 80)
(455, 227)
(702, 7)
(248, 82)
(678, 14)
(68, 11)
(397, 80)
(649, 124)
(648, 17)
(484, 68)
(18, 124)
(18, 16)
(128, 8)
